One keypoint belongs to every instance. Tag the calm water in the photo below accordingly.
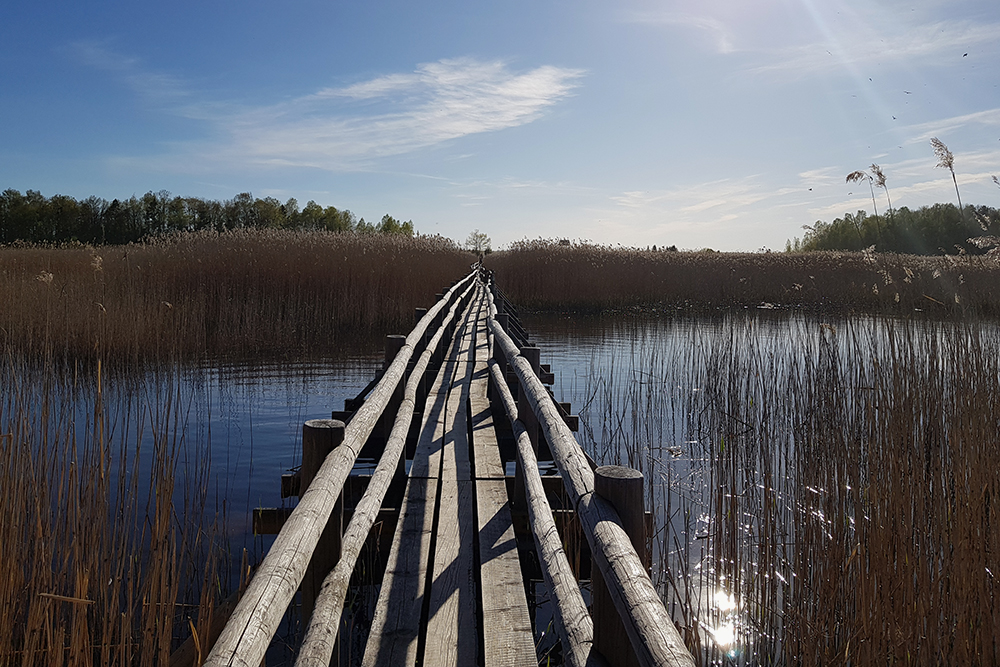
(249, 418)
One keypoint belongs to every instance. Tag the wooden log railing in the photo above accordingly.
(320, 638)
(653, 637)
(255, 620)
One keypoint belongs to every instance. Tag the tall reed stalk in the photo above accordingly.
(103, 531)
(824, 492)
(242, 293)
(109, 546)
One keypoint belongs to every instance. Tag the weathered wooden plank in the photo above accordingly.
(573, 622)
(396, 626)
(441, 409)
(457, 463)
(430, 443)
(395, 629)
(507, 635)
(452, 636)
(488, 464)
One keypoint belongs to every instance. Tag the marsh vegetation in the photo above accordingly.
(114, 542)
(823, 486)
(588, 278)
(819, 429)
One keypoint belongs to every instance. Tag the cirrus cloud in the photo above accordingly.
(394, 114)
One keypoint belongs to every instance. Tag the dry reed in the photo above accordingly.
(825, 493)
(545, 275)
(242, 293)
(103, 533)
(109, 550)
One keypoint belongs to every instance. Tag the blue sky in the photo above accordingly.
(697, 123)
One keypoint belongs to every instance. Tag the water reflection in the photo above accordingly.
(763, 438)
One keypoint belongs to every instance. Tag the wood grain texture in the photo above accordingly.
(452, 636)
(320, 638)
(484, 440)
(507, 635)
(395, 630)
(573, 622)
(396, 626)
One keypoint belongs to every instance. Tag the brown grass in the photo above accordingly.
(544, 275)
(242, 293)
(97, 547)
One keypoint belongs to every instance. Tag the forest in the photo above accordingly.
(33, 218)
(941, 229)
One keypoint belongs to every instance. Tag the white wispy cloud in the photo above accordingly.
(350, 126)
(719, 34)
(439, 102)
(922, 132)
(154, 87)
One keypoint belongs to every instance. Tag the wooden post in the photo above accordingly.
(319, 438)
(623, 488)
(439, 353)
(418, 314)
(524, 412)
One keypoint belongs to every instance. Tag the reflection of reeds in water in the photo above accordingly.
(837, 481)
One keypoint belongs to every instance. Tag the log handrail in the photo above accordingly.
(321, 634)
(255, 620)
(651, 631)
(573, 622)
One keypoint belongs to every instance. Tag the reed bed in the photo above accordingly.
(545, 275)
(107, 546)
(241, 293)
(824, 491)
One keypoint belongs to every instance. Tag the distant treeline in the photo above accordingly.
(930, 230)
(34, 218)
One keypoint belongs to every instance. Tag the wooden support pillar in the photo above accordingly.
(623, 488)
(524, 412)
(437, 357)
(418, 314)
(319, 438)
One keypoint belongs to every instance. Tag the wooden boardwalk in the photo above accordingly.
(455, 590)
